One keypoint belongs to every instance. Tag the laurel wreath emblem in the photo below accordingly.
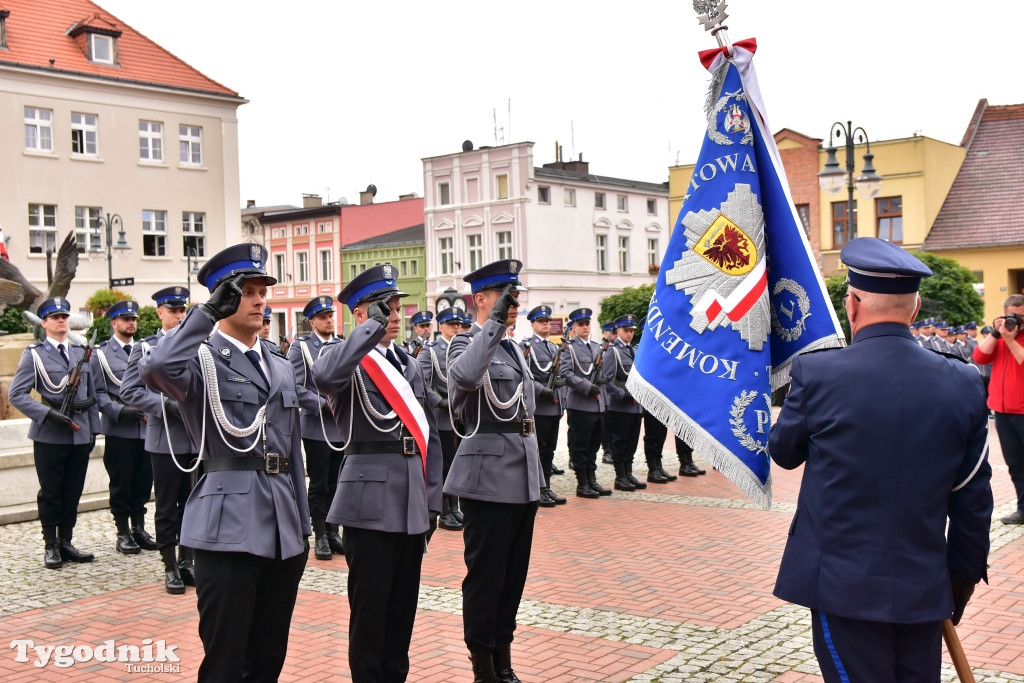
(790, 334)
(739, 429)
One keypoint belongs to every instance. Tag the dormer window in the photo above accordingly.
(101, 48)
(97, 37)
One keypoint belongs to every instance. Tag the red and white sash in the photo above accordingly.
(398, 393)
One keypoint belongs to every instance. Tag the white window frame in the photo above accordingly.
(193, 229)
(622, 202)
(569, 196)
(323, 228)
(623, 244)
(652, 207)
(302, 266)
(475, 251)
(599, 200)
(279, 268)
(151, 141)
(499, 191)
(154, 226)
(403, 269)
(38, 129)
(503, 238)
(100, 39)
(446, 255)
(85, 133)
(653, 251)
(87, 228)
(543, 194)
(302, 230)
(42, 227)
(190, 145)
(414, 266)
(444, 193)
(325, 257)
(353, 271)
(601, 252)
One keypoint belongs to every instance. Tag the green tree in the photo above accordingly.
(952, 286)
(836, 286)
(12, 322)
(102, 299)
(633, 300)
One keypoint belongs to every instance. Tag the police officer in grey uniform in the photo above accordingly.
(320, 438)
(265, 331)
(550, 401)
(60, 444)
(496, 471)
(247, 517)
(389, 490)
(124, 454)
(422, 324)
(433, 360)
(170, 449)
(624, 414)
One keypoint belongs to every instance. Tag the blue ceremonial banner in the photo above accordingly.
(738, 294)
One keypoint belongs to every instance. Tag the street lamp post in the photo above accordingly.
(107, 224)
(831, 178)
(191, 267)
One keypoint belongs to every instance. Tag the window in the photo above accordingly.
(842, 231)
(501, 185)
(504, 244)
(653, 254)
(87, 228)
(39, 129)
(3, 28)
(42, 228)
(415, 267)
(804, 212)
(353, 271)
(154, 233)
(101, 49)
(652, 207)
(279, 272)
(278, 233)
(193, 225)
(301, 230)
(543, 194)
(362, 268)
(446, 252)
(623, 254)
(602, 253)
(302, 266)
(889, 213)
(475, 251)
(599, 200)
(326, 265)
(570, 197)
(403, 268)
(190, 145)
(323, 228)
(83, 134)
(622, 202)
(444, 194)
(151, 141)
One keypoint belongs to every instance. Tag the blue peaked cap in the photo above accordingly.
(881, 267)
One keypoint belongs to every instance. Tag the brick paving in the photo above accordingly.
(669, 584)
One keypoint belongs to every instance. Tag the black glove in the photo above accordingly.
(171, 408)
(499, 313)
(962, 592)
(443, 405)
(379, 311)
(559, 381)
(225, 299)
(433, 525)
(305, 544)
(58, 418)
(83, 403)
(547, 393)
(594, 390)
(92, 441)
(130, 413)
(601, 381)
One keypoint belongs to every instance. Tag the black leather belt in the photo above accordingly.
(405, 446)
(522, 427)
(271, 464)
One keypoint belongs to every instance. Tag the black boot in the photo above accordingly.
(186, 565)
(552, 496)
(556, 470)
(125, 543)
(687, 468)
(447, 520)
(453, 501)
(629, 475)
(334, 539)
(653, 473)
(141, 536)
(51, 556)
(622, 483)
(546, 500)
(592, 481)
(321, 548)
(502, 659)
(583, 489)
(483, 668)
(606, 458)
(70, 553)
(172, 576)
(662, 472)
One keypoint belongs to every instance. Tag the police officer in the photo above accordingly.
(61, 443)
(624, 414)
(389, 490)
(170, 449)
(124, 454)
(608, 335)
(580, 366)
(265, 331)
(433, 360)
(467, 321)
(320, 438)
(867, 550)
(422, 323)
(496, 470)
(543, 363)
(247, 518)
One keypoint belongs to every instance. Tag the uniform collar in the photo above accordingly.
(883, 330)
(54, 343)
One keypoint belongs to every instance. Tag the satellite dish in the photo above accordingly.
(372, 189)
(467, 146)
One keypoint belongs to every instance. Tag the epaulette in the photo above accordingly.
(34, 345)
(950, 355)
(429, 344)
(150, 339)
(302, 338)
(826, 348)
(463, 334)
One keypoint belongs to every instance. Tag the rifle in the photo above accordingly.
(526, 349)
(67, 407)
(553, 375)
(284, 343)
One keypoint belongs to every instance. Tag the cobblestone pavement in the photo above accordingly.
(669, 584)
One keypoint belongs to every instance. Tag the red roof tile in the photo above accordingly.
(983, 207)
(38, 37)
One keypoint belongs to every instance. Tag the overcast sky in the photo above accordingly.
(343, 94)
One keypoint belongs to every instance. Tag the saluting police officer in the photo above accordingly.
(170, 449)
(550, 399)
(433, 360)
(320, 438)
(247, 518)
(122, 425)
(496, 471)
(585, 403)
(389, 490)
(624, 414)
(61, 444)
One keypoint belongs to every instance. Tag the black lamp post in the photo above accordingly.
(831, 178)
(107, 224)
(191, 267)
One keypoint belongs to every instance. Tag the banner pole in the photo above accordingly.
(956, 652)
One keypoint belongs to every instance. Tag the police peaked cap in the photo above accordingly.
(580, 314)
(124, 309)
(881, 267)
(421, 317)
(496, 275)
(373, 284)
(318, 305)
(627, 321)
(266, 313)
(54, 306)
(247, 259)
(172, 297)
(539, 313)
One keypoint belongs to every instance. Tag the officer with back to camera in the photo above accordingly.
(550, 398)
(247, 517)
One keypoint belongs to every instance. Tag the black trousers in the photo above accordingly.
(449, 444)
(584, 439)
(172, 487)
(624, 431)
(245, 610)
(858, 650)
(547, 440)
(322, 465)
(131, 475)
(1010, 428)
(61, 471)
(654, 440)
(498, 538)
(383, 588)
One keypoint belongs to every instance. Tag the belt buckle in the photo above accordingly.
(273, 463)
(408, 445)
(527, 427)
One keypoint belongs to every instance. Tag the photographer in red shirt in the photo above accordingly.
(1003, 349)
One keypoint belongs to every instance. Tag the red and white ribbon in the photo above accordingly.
(399, 395)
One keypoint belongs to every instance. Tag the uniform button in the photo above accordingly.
(220, 487)
(361, 475)
(238, 395)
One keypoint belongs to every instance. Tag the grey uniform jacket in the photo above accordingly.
(540, 364)
(618, 361)
(502, 467)
(433, 360)
(135, 393)
(377, 491)
(108, 392)
(578, 357)
(316, 417)
(235, 511)
(25, 380)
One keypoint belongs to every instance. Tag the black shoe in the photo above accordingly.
(321, 548)
(334, 539)
(51, 557)
(654, 474)
(1016, 518)
(143, 539)
(483, 668)
(688, 470)
(554, 497)
(70, 553)
(662, 472)
(621, 482)
(127, 545)
(602, 491)
(449, 522)
(606, 458)
(583, 489)
(545, 501)
(633, 480)
(502, 659)
(172, 582)
(555, 469)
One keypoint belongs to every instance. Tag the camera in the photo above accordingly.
(1011, 321)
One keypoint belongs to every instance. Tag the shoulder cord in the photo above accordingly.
(106, 368)
(42, 373)
(618, 363)
(437, 365)
(576, 361)
(369, 410)
(542, 368)
(308, 358)
(492, 401)
(167, 430)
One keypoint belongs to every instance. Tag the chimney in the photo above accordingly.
(367, 195)
(249, 203)
(411, 195)
(311, 201)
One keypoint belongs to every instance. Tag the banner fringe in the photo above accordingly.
(780, 373)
